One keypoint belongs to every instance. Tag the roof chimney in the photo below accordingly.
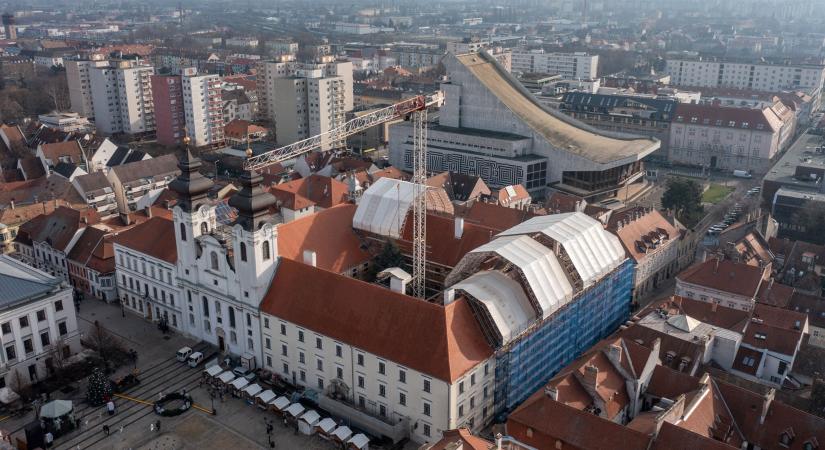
(148, 211)
(614, 354)
(591, 376)
(459, 227)
(499, 438)
(551, 392)
(767, 399)
(125, 218)
(713, 305)
(398, 279)
(310, 258)
(11, 202)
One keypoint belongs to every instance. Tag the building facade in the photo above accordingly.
(122, 98)
(78, 77)
(167, 94)
(203, 108)
(572, 66)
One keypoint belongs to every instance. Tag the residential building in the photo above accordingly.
(803, 267)
(66, 122)
(752, 75)
(282, 46)
(136, 180)
(45, 241)
(417, 56)
(814, 307)
(238, 132)
(571, 66)
(95, 189)
(722, 281)
(122, 98)
(37, 322)
(490, 126)
(203, 108)
(460, 188)
(167, 95)
(306, 196)
(515, 196)
(651, 242)
(238, 105)
(67, 152)
(791, 208)
(78, 77)
(250, 42)
(305, 99)
(727, 138)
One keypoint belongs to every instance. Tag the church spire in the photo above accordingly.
(190, 185)
(252, 202)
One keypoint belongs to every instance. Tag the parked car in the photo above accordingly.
(242, 371)
(183, 354)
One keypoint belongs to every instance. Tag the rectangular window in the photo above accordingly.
(44, 339)
(319, 364)
(426, 409)
(303, 376)
(402, 399)
(472, 379)
(360, 359)
(301, 358)
(24, 322)
(427, 430)
(300, 336)
(381, 368)
(382, 390)
(283, 350)
(339, 352)
(266, 323)
(426, 385)
(6, 327)
(339, 373)
(461, 387)
(27, 346)
(321, 384)
(58, 305)
(461, 411)
(10, 353)
(267, 343)
(360, 381)
(283, 330)
(319, 343)
(402, 376)
(286, 368)
(62, 328)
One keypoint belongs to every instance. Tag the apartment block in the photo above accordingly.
(203, 108)
(122, 98)
(574, 66)
(759, 76)
(80, 89)
(167, 92)
(305, 99)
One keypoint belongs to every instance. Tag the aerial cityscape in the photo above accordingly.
(435, 225)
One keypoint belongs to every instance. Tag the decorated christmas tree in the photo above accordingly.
(99, 388)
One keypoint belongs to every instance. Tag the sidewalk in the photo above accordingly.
(132, 330)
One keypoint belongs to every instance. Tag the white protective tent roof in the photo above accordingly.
(295, 409)
(383, 207)
(326, 425)
(342, 433)
(240, 383)
(280, 403)
(56, 408)
(504, 300)
(311, 417)
(359, 441)
(592, 249)
(213, 371)
(540, 267)
(226, 377)
(266, 396)
(253, 389)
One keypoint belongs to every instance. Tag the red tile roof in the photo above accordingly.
(84, 247)
(330, 234)
(668, 383)
(463, 436)
(549, 421)
(378, 321)
(728, 276)
(239, 129)
(641, 230)
(745, 353)
(775, 339)
(775, 294)
(155, 238)
(717, 116)
(498, 218)
(61, 149)
(673, 437)
(318, 190)
(716, 315)
(58, 227)
(442, 246)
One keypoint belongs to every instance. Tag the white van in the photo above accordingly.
(195, 359)
(183, 354)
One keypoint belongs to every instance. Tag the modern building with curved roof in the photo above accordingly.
(492, 127)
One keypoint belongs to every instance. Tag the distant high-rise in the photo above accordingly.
(167, 93)
(305, 99)
(122, 98)
(203, 108)
(80, 89)
(8, 26)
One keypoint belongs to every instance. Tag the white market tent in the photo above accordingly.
(227, 377)
(266, 396)
(358, 441)
(280, 403)
(56, 408)
(252, 390)
(295, 409)
(240, 383)
(213, 371)
(308, 421)
(326, 425)
(342, 433)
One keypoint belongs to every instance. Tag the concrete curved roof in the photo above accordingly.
(562, 132)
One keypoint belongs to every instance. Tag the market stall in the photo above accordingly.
(263, 398)
(358, 442)
(307, 421)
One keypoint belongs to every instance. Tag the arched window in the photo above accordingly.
(182, 232)
(232, 317)
(204, 228)
(213, 257)
(265, 250)
(243, 251)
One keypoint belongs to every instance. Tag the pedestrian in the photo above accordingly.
(49, 438)
(121, 429)
(110, 406)
(106, 429)
(152, 427)
(157, 426)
